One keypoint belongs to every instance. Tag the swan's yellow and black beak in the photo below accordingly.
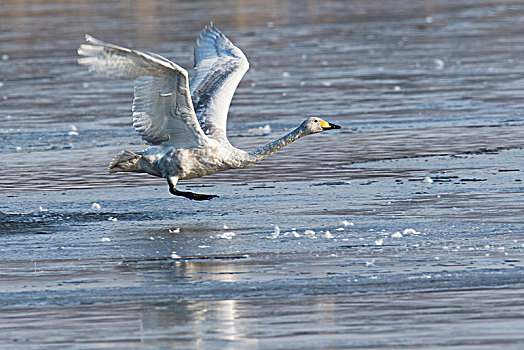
(328, 126)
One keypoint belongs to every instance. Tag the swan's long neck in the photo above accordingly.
(267, 150)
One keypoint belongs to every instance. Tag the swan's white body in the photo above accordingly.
(184, 122)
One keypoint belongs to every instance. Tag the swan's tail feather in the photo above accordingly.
(125, 161)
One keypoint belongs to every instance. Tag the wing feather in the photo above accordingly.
(163, 112)
(219, 67)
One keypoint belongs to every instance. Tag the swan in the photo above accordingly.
(184, 122)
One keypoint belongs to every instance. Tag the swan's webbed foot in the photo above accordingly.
(191, 195)
(172, 180)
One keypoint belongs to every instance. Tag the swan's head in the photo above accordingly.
(314, 125)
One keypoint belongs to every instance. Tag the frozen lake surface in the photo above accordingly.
(402, 230)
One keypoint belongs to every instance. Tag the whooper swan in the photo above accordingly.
(184, 122)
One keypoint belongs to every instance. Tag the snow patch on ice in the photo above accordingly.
(428, 180)
(226, 235)
(396, 235)
(410, 231)
(74, 131)
(258, 131)
(275, 233)
(347, 223)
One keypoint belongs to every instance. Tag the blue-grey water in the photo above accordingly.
(404, 229)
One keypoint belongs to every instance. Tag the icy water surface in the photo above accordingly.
(403, 229)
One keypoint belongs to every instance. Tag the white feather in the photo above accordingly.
(163, 113)
(219, 67)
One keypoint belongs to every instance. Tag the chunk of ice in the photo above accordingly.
(428, 180)
(74, 131)
(226, 235)
(260, 131)
(96, 206)
(439, 64)
(410, 231)
(276, 233)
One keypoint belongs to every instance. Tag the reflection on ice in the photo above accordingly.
(203, 324)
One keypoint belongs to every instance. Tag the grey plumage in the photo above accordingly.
(219, 67)
(184, 122)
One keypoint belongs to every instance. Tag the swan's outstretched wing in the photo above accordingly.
(163, 113)
(219, 67)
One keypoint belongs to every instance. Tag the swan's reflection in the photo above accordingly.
(196, 323)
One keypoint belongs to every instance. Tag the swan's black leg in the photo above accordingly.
(189, 195)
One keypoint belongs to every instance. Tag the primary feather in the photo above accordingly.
(219, 67)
